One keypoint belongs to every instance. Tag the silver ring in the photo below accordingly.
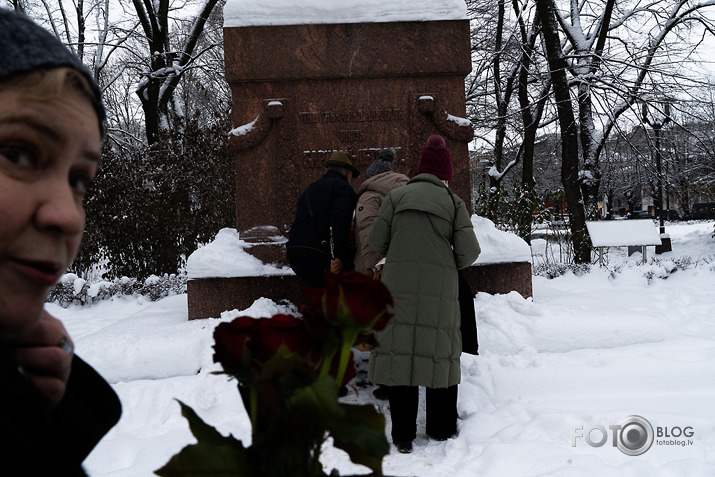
(66, 345)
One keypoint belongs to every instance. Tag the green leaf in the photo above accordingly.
(202, 431)
(318, 401)
(361, 433)
(200, 460)
(213, 455)
(285, 363)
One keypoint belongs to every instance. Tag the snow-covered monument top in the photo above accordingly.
(240, 13)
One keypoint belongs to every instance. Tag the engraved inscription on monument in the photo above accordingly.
(353, 116)
(360, 157)
(351, 135)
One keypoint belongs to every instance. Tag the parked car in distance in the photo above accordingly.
(704, 210)
(640, 214)
(671, 214)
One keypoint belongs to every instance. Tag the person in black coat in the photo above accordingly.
(319, 237)
(40, 438)
(54, 408)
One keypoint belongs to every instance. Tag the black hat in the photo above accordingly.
(25, 46)
(341, 159)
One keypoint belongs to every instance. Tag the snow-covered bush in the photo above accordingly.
(659, 267)
(517, 211)
(556, 269)
(73, 290)
(151, 206)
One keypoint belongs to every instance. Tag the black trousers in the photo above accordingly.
(441, 412)
(309, 265)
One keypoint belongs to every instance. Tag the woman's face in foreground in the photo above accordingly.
(49, 153)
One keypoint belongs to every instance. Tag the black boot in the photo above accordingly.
(404, 447)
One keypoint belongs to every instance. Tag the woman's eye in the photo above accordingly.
(19, 156)
(80, 183)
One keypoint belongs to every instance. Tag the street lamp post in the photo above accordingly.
(657, 125)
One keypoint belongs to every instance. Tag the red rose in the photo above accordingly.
(279, 330)
(262, 337)
(313, 313)
(367, 300)
(230, 341)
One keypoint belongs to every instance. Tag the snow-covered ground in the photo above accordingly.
(585, 351)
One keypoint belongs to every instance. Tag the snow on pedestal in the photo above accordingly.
(229, 271)
(498, 246)
(239, 13)
(233, 276)
(226, 256)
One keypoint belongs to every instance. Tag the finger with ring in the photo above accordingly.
(66, 345)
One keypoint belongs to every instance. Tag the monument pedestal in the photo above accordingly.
(501, 278)
(209, 297)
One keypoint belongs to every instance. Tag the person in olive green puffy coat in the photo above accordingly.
(426, 234)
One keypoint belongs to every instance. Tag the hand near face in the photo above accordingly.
(45, 353)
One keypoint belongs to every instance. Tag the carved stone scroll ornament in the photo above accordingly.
(452, 127)
(252, 134)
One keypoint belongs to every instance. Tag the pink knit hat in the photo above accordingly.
(436, 159)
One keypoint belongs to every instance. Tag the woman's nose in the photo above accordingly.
(60, 209)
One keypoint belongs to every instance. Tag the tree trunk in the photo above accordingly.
(530, 113)
(502, 107)
(591, 178)
(569, 132)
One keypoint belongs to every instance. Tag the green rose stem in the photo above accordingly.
(329, 350)
(349, 337)
(254, 410)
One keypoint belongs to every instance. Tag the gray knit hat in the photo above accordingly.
(26, 46)
(385, 162)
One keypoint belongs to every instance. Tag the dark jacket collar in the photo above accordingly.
(335, 174)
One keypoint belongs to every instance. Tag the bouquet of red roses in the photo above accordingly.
(289, 370)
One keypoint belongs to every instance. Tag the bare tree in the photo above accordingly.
(165, 64)
(511, 87)
(604, 57)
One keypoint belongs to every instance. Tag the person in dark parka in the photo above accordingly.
(425, 232)
(319, 237)
(54, 408)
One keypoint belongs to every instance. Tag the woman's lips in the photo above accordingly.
(45, 273)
